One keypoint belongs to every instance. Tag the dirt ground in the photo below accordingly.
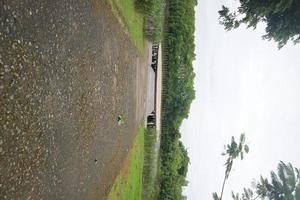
(67, 71)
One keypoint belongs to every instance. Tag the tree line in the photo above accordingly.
(178, 94)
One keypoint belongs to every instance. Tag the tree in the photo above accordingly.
(232, 151)
(285, 185)
(282, 18)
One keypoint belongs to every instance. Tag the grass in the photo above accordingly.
(138, 177)
(153, 13)
(128, 185)
(133, 21)
(150, 182)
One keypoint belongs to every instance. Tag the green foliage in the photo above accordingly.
(128, 184)
(215, 196)
(178, 93)
(120, 120)
(297, 191)
(180, 75)
(285, 185)
(152, 11)
(282, 18)
(129, 18)
(233, 151)
(150, 182)
(173, 171)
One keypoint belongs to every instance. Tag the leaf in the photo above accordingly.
(215, 196)
(291, 178)
(228, 147)
(242, 138)
(120, 120)
(232, 139)
(277, 185)
(287, 176)
(297, 191)
(298, 173)
(262, 187)
(240, 146)
(281, 171)
(233, 195)
(246, 148)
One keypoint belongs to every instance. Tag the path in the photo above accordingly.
(67, 70)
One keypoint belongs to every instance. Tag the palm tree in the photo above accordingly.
(232, 151)
(284, 186)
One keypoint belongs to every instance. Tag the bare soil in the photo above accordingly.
(67, 71)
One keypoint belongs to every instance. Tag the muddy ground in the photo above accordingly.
(67, 70)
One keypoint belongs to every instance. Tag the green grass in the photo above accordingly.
(150, 181)
(127, 15)
(128, 185)
(153, 11)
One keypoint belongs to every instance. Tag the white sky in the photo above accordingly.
(243, 84)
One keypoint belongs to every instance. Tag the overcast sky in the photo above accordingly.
(243, 84)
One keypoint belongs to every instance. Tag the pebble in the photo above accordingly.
(25, 94)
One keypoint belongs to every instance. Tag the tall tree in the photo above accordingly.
(285, 185)
(282, 18)
(233, 151)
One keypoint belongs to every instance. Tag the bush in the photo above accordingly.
(152, 11)
(150, 183)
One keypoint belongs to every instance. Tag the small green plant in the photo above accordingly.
(120, 120)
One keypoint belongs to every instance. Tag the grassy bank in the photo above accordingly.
(128, 185)
(138, 177)
(150, 182)
(141, 18)
(153, 13)
(133, 21)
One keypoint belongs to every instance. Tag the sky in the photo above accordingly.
(243, 85)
